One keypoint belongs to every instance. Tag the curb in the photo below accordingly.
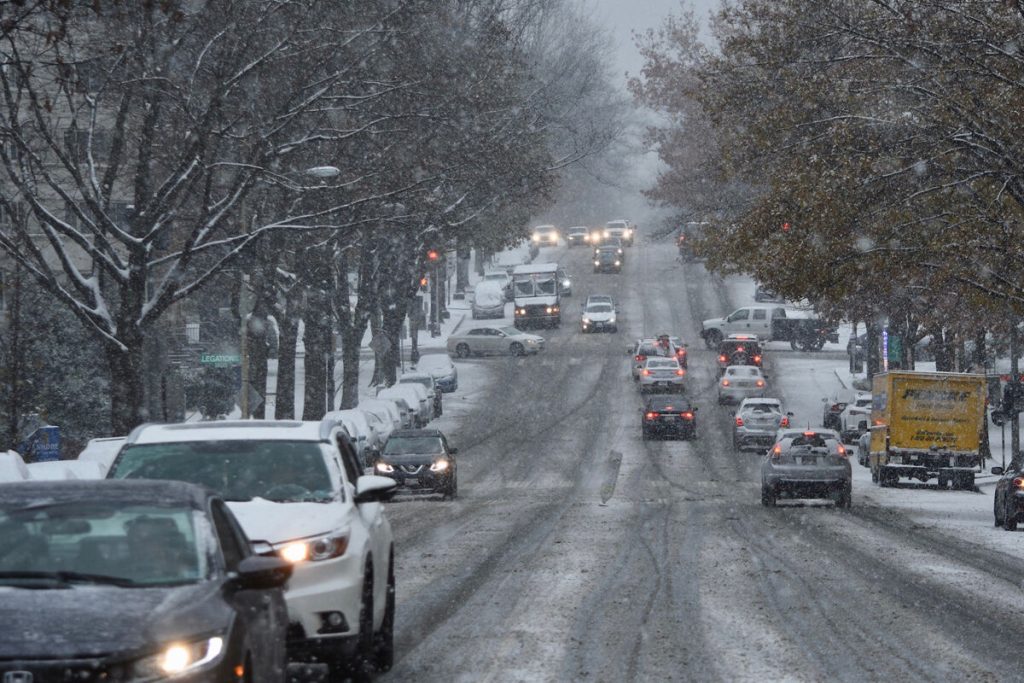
(836, 373)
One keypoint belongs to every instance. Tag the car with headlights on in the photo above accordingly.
(809, 465)
(577, 236)
(621, 229)
(599, 317)
(134, 581)
(662, 374)
(756, 422)
(613, 242)
(739, 382)
(420, 461)
(494, 341)
(607, 260)
(668, 416)
(298, 491)
(545, 236)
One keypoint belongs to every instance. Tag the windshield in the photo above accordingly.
(97, 541)
(413, 445)
(281, 471)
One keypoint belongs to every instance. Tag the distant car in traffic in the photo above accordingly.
(739, 349)
(621, 229)
(577, 236)
(668, 416)
(642, 349)
(545, 236)
(739, 382)
(809, 465)
(664, 374)
(492, 341)
(598, 317)
(564, 282)
(611, 242)
(420, 461)
(607, 260)
(756, 422)
(675, 345)
(134, 581)
(599, 299)
(1008, 501)
(835, 405)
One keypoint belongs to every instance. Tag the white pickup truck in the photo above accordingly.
(802, 329)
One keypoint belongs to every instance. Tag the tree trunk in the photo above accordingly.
(127, 392)
(15, 360)
(942, 350)
(288, 326)
(257, 329)
(316, 319)
(978, 357)
(871, 347)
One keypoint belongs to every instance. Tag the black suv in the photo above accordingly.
(607, 260)
(420, 461)
(736, 350)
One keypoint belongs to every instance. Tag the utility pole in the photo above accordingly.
(245, 304)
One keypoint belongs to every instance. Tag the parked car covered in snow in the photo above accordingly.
(489, 298)
(442, 369)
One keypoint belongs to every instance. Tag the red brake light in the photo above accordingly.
(739, 349)
(777, 451)
(785, 421)
(810, 433)
(723, 358)
(652, 416)
(640, 358)
(688, 415)
(647, 373)
(842, 450)
(680, 372)
(739, 421)
(760, 382)
(757, 359)
(1018, 482)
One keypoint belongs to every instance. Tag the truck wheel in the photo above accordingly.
(712, 338)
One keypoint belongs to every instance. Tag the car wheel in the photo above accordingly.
(462, 350)
(614, 330)
(1009, 518)
(361, 668)
(712, 338)
(517, 349)
(845, 498)
(767, 497)
(644, 434)
(384, 647)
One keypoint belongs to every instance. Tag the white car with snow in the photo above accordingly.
(387, 411)
(415, 397)
(853, 421)
(297, 490)
(102, 451)
(489, 299)
(599, 316)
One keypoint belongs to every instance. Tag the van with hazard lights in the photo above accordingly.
(927, 425)
(536, 295)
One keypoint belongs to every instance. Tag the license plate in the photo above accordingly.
(809, 460)
(412, 481)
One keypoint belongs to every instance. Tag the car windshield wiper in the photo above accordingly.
(66, 577)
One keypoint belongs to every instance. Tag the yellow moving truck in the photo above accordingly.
(927, 424)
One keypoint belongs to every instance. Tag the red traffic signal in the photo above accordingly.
(786, 227)
(424, 282)
(432, 255)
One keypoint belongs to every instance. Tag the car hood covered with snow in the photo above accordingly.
(91, 620)
(274, 523)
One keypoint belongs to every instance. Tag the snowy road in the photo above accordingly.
(576, 551)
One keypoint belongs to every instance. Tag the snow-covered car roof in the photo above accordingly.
(228, 430)
(535, 269)
(434, 361)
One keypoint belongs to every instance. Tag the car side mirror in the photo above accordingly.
(257, 572)
(997, 470)
(694, 409)
(629, 350)
(453, 451)
(790, 414)
(373, 489)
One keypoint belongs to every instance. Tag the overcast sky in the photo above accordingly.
(621, 17)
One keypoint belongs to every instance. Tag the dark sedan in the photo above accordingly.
(668, 416)
(134, 581)
(420, 461)
(1008, 504)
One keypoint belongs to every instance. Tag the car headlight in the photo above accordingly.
(314, 549)
(384, 467)
(179, 658)
(597, 263)
(607, 233)
(531, 341)
(566, 283)
(536, 238)
(586, 321)
(617, 263)
(611, 319)
(439, 465)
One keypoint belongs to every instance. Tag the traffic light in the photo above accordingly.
(424, 281)
(786, 227)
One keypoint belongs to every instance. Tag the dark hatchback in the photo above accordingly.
(607, 260)
(420, 461)
(668, 416)
(134, 581)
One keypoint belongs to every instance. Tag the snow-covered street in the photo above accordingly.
(577, 551)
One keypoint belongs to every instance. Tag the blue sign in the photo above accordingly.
(43, 445)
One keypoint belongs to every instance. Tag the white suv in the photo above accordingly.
(297, 491)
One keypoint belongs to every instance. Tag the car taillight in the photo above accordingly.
(647, 373)
(680, 372)
(652, 416)
(680, 352)
(784, 422)
(740, 349)
(760, 383)
(842, 450)
(640, 358)
(757, 359)
(724, 359)
(777, 451)
(1018, 482)
(687, 415)
(725, 382)
(810, 433)
(739, 421)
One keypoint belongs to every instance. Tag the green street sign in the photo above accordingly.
(220, 359)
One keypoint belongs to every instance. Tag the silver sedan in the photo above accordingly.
(487, 341)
